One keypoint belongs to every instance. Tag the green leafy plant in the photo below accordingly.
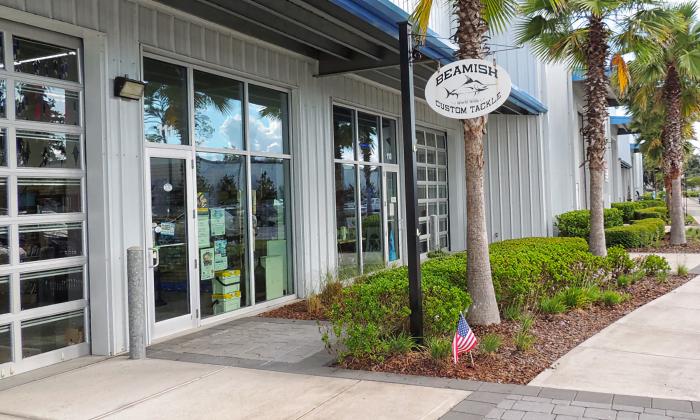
(653, 265)
(577, 223)
(552, 305)
(682, 270)
(438, 348)
(612, 298)
(437, 253)
(652, 213)
(689, 220)
(512, 312)
(523, 339)
(627, 208)
(661, 276)
(639, 234)
(619, 261)
(649, 202)
(401, 343)
(490, 343)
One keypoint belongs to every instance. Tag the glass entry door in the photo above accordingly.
(392, 209)
(170, 258)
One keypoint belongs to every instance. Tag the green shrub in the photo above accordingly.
(523, 338)
(512, 312)
(553, 305)
(639, 234)
(692, 234)
(653, 265)
(612, 298)
(437, 253)
(577, 223)
(692, 193)
(619, 261)
(646, 203)
(652, 213)
(646, 196)
(490, 343)
(627, 208)
(689, 220)
(574, 297)
(400, 344)
(439, 348)
(682, 270)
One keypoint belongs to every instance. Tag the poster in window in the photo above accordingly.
(217, 221)
(203, 232)
(220, 260)
(206, 265)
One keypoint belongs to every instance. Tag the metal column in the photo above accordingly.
(408, 119)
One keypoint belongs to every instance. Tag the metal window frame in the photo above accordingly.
(434, 184)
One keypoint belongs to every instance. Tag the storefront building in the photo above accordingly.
(263, 157)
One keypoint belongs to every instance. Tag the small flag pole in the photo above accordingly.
(471, 358)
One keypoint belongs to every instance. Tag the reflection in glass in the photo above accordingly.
(268, 120)
(343, 128)
(42, 59)
(51, 287)
(48, 195)
(368, 137)
(52, 332)
(44, 242)
(2, 98)
(218, 120)
(4, 245)
(170, 236)
(3, 147)
(221, 197)
(4, 295)
(2, 60)
(48, 150)
(165, 116)
(46, 104)
(389, 141)
(346, 217)
(3, 196)
(5, 344)
(270, 192)
(371, 214)
(392, 216)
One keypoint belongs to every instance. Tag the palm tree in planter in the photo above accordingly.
(580, 33)
(670, 72)
(474, 20)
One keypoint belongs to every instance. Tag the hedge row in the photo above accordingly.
(639, 234)
(652, 213)
(375, 308)
(577, 223)
(628, 208)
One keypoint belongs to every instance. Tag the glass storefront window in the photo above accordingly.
(2, 52)
(368, 137)
(3, 147)
(268, 117)
(270, 192)
(46, 104)
(48, 195)
(165, 105)
(371, 216)
(221, 199)
(52, 333)
(343, 133)
(4, 295)
(5, 344)
(346, 219)
(51, 287)
(37, 149)
(432, 187)
(42, 59)
(44, 242)
(3, 196)
(389, 141)
(218, 111)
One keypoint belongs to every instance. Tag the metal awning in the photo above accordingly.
(622, 122)
(345, 36)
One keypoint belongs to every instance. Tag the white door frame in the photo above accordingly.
(191, 320)
(395, 169)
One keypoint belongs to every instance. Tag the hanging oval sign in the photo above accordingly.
(467, 89)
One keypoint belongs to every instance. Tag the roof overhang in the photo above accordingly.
(622, 122)
(345, 36)
(578, 77)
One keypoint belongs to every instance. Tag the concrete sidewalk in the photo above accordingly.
(653, 351)
(118, 388)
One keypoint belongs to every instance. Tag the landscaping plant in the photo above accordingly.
(577, 223)
(490, 343)
(439, 348)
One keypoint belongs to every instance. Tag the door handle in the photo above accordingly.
(155, 254)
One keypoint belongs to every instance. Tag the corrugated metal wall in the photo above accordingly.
(514, 152)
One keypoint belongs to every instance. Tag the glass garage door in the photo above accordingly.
(433, 202)
(43, 265)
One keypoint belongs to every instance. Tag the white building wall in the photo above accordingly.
(637, 175)
(514, 145)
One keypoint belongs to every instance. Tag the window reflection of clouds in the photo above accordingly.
(226, 129)
(268, 118)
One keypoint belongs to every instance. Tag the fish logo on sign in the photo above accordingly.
(467, 89)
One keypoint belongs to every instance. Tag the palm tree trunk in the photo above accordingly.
(484, 310)
(594, 130)
(673, 153)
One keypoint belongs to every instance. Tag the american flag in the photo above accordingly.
(464, 340)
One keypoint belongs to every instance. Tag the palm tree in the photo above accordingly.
(474, 19)
(581, 33)
(670, 72)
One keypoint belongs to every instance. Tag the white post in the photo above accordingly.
(137, 302)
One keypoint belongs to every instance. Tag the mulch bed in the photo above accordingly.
(665, 247)
(296, 310)
(555, 336)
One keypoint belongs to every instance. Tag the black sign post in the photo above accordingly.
(408, 118)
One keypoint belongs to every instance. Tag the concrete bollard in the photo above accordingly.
(137, 302)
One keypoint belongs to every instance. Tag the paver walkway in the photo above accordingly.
(654, 351)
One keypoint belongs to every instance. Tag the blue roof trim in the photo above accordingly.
(384, 15)
(579, 75)
(620, 120)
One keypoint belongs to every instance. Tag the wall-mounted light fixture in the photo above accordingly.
(128, 88)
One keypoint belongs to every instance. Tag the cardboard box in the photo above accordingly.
(226, 291)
